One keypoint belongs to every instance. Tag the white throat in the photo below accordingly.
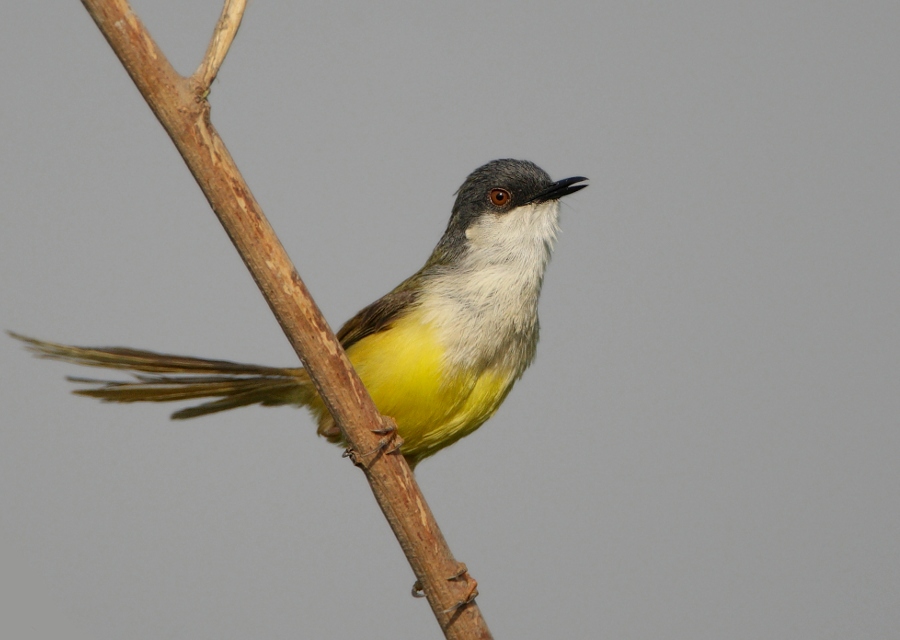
(524, 236)
(486, 306)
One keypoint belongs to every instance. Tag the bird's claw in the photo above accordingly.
(471, 591)
(461, 574)
(390, 442)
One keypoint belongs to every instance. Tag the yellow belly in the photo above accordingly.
(434, 405)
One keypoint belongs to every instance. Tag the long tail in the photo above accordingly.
(165, 378)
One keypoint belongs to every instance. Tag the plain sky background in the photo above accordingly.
(708, 445)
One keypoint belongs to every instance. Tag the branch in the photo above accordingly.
(180, 105)
(225, 31)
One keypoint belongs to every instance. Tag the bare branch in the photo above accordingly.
(225, 31)
(372, 446)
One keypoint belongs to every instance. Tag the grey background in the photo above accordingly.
(708, 443)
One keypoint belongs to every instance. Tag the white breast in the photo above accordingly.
(486, 307)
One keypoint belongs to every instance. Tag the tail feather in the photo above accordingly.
(138, 360)
(233, 384)
(267, 396)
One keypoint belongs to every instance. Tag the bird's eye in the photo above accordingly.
(499, 197)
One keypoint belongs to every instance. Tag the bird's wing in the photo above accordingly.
(378, 316)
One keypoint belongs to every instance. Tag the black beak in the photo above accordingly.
(559, 189)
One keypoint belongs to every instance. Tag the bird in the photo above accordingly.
(438, 354)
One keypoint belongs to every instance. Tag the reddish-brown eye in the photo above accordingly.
(499, 197)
